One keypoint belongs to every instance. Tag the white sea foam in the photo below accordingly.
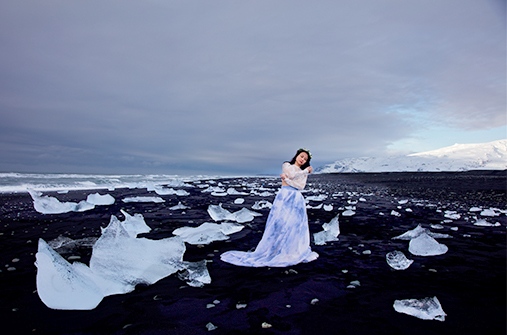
(22, 182)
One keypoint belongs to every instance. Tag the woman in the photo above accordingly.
(286, 239)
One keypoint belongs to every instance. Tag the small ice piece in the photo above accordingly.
(484, 223)
(239, 201)
(195, 274)
(244, 215)
(330, 232)
(367, 252)
(266, 325)
(402, 202)
(418, 231)
(143, 199)
(409, 210)
(210, 326)
(168, 191)
(475, 209)
(425, 309)
(355, 283)
(328, 208)
(51, 205)
(425, 245)
(453, 215)
(395, 213)
(489, 212)
(218, 213)
(207, 232)
(348, 212)
(178, 206)
(100, 200)
(232, 191)
(397, 260)
(240, 306)
(262, 204)
(436, 226)
(314, 301)
(320, 197)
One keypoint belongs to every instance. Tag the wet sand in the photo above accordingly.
(469, 280)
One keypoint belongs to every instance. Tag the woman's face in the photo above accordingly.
(301, 159)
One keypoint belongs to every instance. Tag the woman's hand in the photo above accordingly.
(283, 176)
(310, 169)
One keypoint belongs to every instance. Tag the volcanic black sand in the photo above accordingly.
(469, 280)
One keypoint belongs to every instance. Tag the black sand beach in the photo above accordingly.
(469, 280)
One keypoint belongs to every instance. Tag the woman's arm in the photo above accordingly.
(294, 176)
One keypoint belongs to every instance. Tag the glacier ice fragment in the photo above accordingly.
(425, 245)
(330, 232)
(426, 309)
(397, 260)
(100, 200)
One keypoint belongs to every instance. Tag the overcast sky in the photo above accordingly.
(236, 87)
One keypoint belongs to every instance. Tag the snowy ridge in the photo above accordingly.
(458, 157)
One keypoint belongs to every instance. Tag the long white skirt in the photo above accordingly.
(286, 239)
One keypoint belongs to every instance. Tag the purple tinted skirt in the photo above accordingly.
(286, 238)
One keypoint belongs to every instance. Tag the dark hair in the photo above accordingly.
(307, 164)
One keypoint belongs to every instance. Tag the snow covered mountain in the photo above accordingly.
(458, 157)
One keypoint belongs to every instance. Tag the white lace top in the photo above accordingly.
(295, 176)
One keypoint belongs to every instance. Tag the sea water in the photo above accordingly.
(22, 182)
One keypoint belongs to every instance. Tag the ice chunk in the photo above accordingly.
(178, 206)
(320, 197)
(195, 274)
(134, 225)
(218, 213)
(489, 212)
(123, 261)
(348, 212)
(169, 191)
(51, 205)
(484, 223)
(118, 263)
(426, 309)
(262, 204)
(100, 200)
(418, 231)
(143, 199)
(61, 285)
(207, 232)
(232, 191)
(425, 245)
(204, 234)
(397, 260)
(395, 213)
(330, 232)
(328, 208)
(239, 201)
(453, 215)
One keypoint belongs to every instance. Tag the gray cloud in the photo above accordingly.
(236, 87)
